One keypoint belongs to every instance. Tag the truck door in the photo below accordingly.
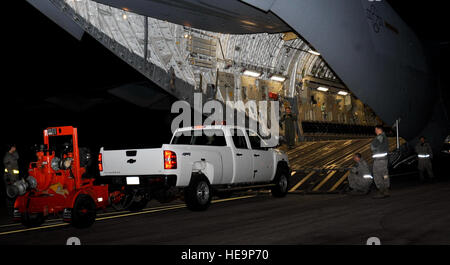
(262, 158)
(243, 160)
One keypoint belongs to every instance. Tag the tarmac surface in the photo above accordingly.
(316, 211)
(417, 214)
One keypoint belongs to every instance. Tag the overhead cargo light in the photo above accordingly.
(314, 52)
(343, 93)
(324, 89)
(252, 73)
(287, 36)
(278, 78)
(250, 23)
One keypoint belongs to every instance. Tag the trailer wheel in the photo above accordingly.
(32, 220)
(84, 211)
(198, 194)
(281, 182)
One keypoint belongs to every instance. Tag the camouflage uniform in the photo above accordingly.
(380, 149)
(360, 178)
(289, 128)
(425, 154)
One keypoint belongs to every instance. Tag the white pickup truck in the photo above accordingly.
(198, 162)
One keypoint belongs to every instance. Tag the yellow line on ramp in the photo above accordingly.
(339, 181)
(302, 181)
(324, 181)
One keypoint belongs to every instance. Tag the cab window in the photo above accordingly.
(210, 137)
(207, 137)
(255, 141)
(239, 139)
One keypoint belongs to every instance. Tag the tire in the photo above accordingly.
(198, 194)
(137, 206)
(84, 211)
(85, 157)
(32, 220)
(281, 182)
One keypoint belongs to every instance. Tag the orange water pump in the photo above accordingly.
(57, 184)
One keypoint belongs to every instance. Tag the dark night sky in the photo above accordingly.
(429, 19)
(42, 60)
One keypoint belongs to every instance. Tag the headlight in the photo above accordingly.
(6, 170)
(55, 163)
(15, 172)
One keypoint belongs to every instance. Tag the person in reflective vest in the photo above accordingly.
(11, 175)
(425, 154)
(11, 164)
(360, 178)
(380, 149)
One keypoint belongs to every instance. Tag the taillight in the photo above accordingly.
(170, 160)
(100, 162)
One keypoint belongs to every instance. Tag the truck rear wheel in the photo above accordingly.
(84, 211)
(281, 182)
(138, 204)
(198, 194)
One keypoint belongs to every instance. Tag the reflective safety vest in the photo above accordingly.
(13, 171)
(380, 147)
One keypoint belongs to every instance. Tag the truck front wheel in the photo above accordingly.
(198, 194)
(281, 182)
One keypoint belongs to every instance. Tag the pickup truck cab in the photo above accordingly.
(199, 162)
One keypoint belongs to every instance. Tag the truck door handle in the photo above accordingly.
(131, 161)
(186, 154)
(256, 155)
(203, 159)
(239, 154)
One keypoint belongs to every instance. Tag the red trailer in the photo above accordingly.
(57, 183)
